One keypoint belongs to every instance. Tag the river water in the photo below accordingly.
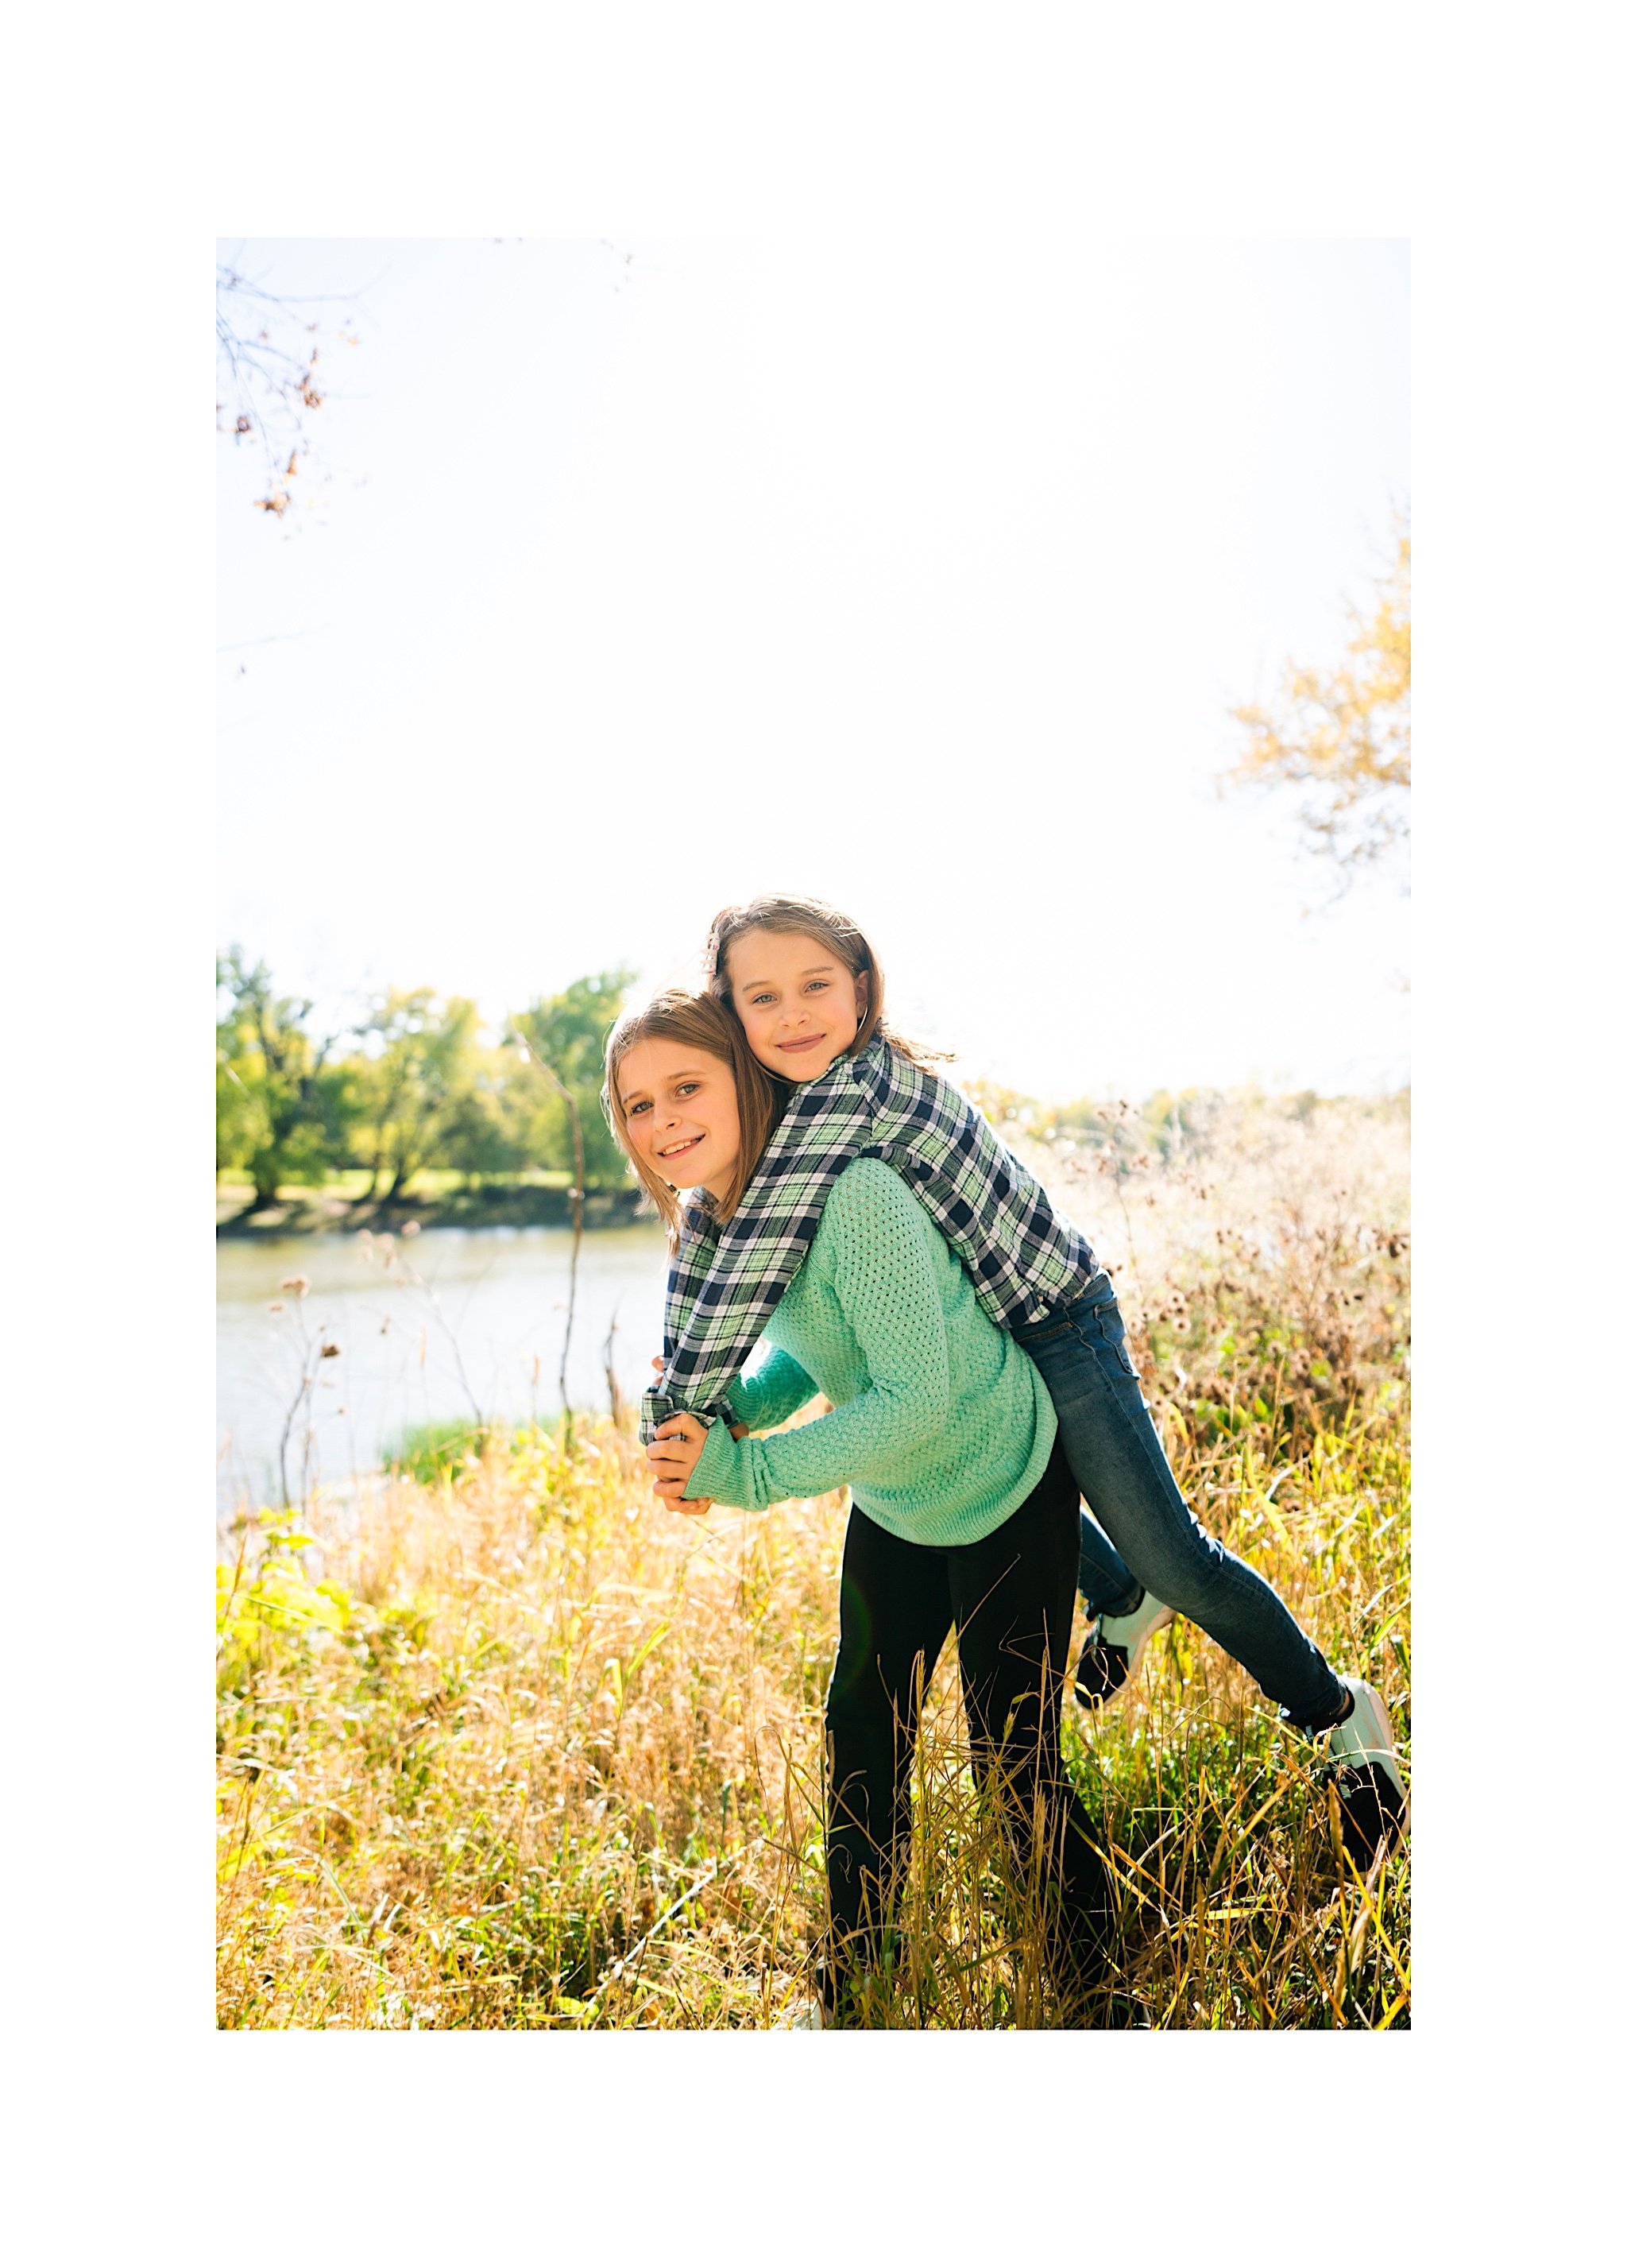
(441, 1325)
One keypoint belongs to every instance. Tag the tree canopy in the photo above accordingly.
(281, 1108)
(1342, 733)
(414, 1083)
(565, 1034)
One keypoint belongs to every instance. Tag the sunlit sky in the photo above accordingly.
(918, 575)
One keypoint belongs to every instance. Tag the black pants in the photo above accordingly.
(1011, 1598)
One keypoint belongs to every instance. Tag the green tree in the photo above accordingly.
(1342, 736)
(565, 1036)
(283, 1109)
(417, 1077)
(488, 1132)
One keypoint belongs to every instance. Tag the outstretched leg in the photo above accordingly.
(1118, 1461)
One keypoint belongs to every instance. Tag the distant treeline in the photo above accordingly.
(415, 1084)
(418, 1085)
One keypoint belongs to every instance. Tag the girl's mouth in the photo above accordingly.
(682, 1149)
(799, 1047)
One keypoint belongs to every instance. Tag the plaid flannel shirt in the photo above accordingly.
(725, 1283)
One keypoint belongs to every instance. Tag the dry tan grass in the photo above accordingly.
(521, 1747)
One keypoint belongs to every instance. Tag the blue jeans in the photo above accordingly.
(1116, 1458)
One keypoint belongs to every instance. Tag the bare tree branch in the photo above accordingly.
(268, 349)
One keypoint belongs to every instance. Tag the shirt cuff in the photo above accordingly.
(654, 1408)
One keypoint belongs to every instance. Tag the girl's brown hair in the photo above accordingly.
(695, 1020)
(839, 935)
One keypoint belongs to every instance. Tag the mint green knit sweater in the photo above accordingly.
(941, 1424)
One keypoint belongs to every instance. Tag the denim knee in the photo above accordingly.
(1186, 1568)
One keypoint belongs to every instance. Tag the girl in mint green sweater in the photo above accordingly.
(965, 1516)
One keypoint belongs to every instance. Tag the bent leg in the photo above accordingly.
(1107, 1585)
(1119, 1461)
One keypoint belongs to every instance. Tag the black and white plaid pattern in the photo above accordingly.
(726, 1283)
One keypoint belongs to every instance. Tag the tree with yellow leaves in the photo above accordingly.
(1343, 735)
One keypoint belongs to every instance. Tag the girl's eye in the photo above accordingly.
(686, 1086)
(760, 999)
(819, 984)
(637, 1109)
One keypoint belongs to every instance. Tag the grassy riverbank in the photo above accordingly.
(514, 1747)
(540, 1199)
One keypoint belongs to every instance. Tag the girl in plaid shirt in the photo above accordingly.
(806, 990)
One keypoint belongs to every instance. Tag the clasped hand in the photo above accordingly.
(675, 1452)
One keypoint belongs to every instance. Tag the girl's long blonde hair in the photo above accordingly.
(790, 916)
(695, 1020)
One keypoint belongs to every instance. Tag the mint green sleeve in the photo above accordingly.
(879, 1267)
(772, 1394)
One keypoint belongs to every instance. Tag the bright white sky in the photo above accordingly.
(917, 575)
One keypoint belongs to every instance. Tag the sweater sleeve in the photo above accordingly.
(768, 1396)
(880, 1269)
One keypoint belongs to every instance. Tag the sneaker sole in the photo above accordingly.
(805, 2020)
(1161, 1620)
(1367, 1823)
(1385, 1759)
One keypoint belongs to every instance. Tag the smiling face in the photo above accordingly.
(683, 1117)
(799, 1006)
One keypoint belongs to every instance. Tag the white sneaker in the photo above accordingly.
(1372, 1796)
(804, 2016)
(1111, 1655)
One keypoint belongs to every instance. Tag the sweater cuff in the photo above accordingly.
(721, 1470)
